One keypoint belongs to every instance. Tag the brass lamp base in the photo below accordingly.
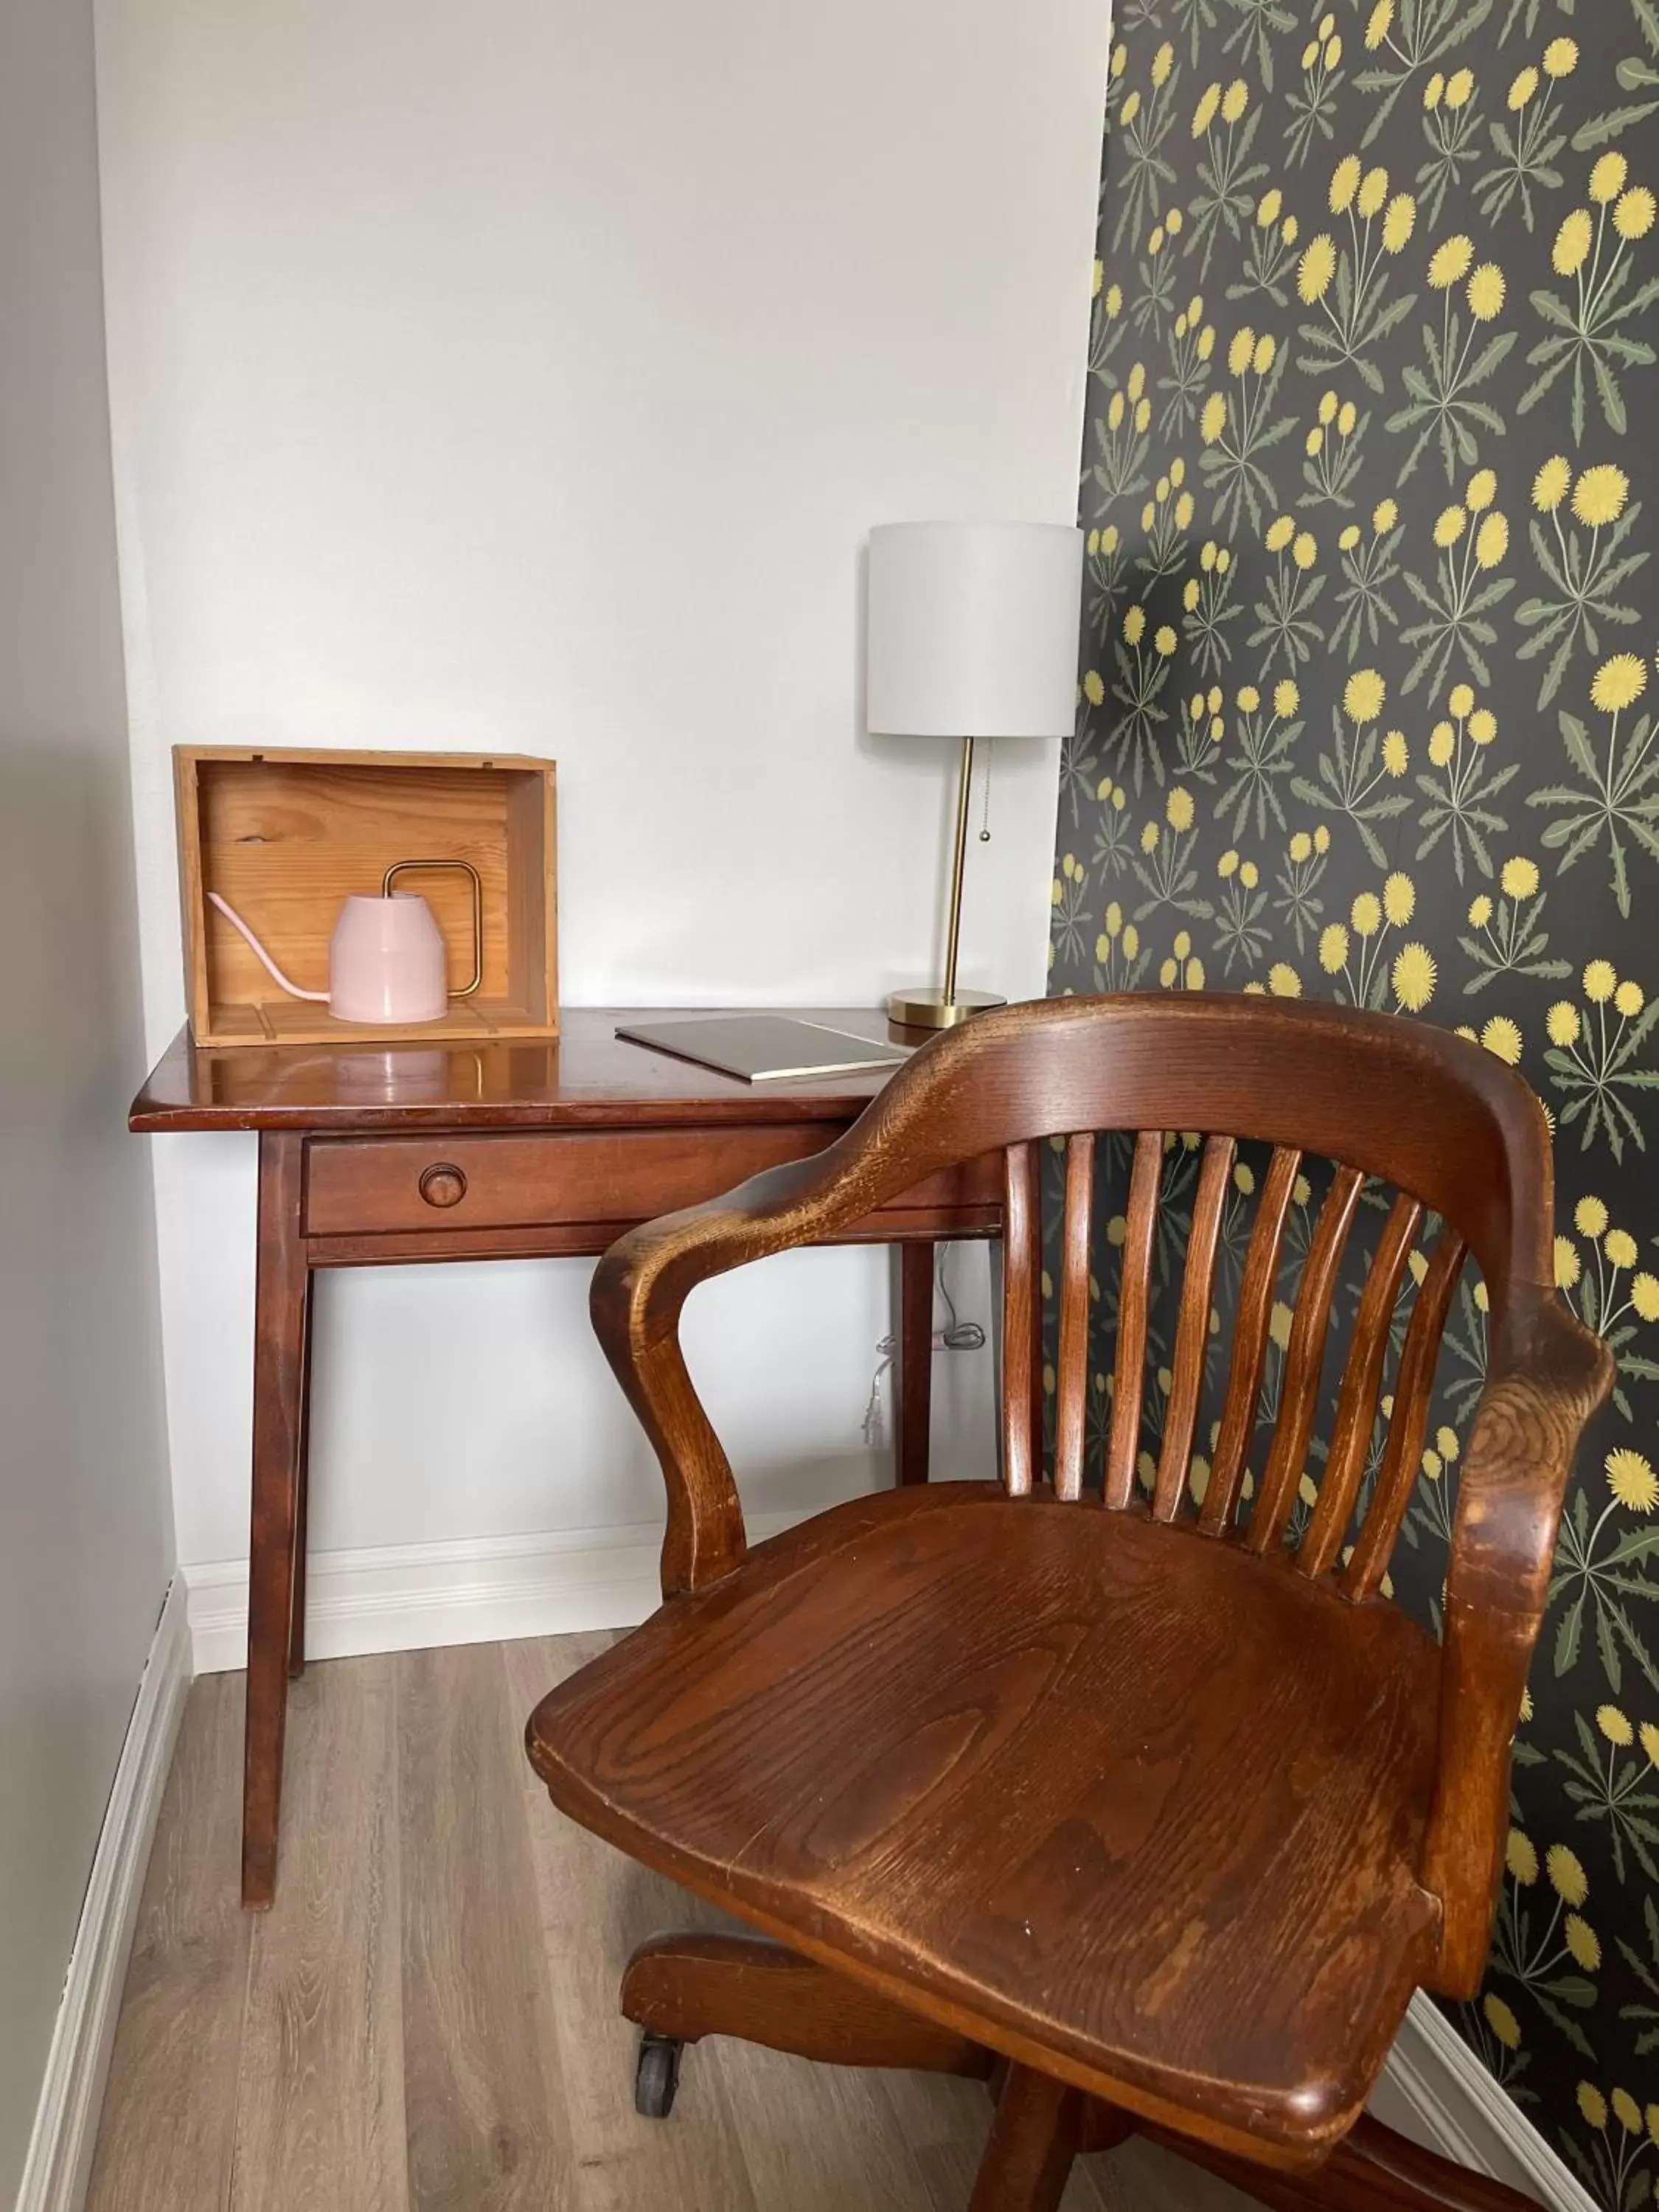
(929, 1006)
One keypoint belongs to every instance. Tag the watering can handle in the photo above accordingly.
(272, 969)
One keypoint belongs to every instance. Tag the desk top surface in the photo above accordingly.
(587, 1078)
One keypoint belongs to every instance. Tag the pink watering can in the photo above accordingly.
(386, 958)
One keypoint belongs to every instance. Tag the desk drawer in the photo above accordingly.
(381, 1185)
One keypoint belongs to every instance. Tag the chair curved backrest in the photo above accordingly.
(1457, 1134)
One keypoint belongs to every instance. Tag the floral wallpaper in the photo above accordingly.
(1369, 712)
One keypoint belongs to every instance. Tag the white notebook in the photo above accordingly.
(766, 1048)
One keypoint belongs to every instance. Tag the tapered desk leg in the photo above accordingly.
(296, 1628)
(279, 1339)
(913, 1361)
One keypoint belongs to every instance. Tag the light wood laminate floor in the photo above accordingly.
(426, 2020)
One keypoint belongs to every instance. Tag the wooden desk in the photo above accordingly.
(419, 1153)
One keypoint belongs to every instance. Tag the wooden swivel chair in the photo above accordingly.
(1149, 1817)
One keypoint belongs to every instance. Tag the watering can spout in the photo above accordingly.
(264, 958)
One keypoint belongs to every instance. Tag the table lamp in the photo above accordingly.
(972, 633)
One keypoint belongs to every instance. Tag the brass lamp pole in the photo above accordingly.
(928, 1007)
(972, 626)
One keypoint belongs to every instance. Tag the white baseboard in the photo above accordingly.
(1436, 2090)
(479, 1590)
(59, 2161)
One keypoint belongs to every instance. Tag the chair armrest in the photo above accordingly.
(1548, 1374)
(642, 1283)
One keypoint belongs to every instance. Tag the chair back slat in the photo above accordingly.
(1072, 1364)
(1398, 1472)
(1193, 1327)
(1250, 1329)
(1134, 1308)
(1362, 1378)
(1299, 1394)
(1021, 1311)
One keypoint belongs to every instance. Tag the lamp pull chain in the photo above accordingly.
(984, 816)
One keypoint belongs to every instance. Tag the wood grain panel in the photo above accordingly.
(1134, 1307)
(1192, 1328)
(1251, 1323)
(1072, 1364)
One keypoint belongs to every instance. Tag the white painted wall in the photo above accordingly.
(528, 375)
(85, 1540)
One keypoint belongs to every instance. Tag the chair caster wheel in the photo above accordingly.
(657, 2075)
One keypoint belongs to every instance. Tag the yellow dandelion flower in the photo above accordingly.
(1561, 1023)
(1279, 532)
(1378, 24)
(1633, 217)
(1443, 744)
(1366, 913)
(1204, 114)
(1450, 526)
(1333, 948)
(1363, 696)
(1485, 292)
(1593, 2105)
(1521, 1857)
(1279, 1323)
(1164, 641)
(1615, 1726)
(1130, 940)
(1206, 342)
(1143, 415)
(1568, 1265)
(1567, 1877)
(1239, 352)
(1328, 407)
(1395, 754)
(1480, 910)
(1214, 421)
(1283, 980)
(1461, 700)
(1599, 493)
(1316, 270)
(1483, 489)
(1645, 1295)
(1268, 208)
(1249, 698)
(1227, 863)
(1348, 537)
(1572, 242)
(1451, 262)
(1345, 183)
(1248, 874)
(1399, 223)
(1649, 1735)
(1551, 484)
(1414, 977)
(1263, 359)
(1519, 877)
(1433, 90)
(1600, 982)
(1589, 1217)
(1446, 1439)
(1458, 87)
(1626, 2111)
(1234, 100)
(1399, 899)
(1634, 1484)
(1134, 625)
(1290, 230)
(1149, 836)
(1304, 552)
(1621, 1248)
(1162, 62)
(1608, 178)
(1483, 726)
(1094, 690)
(1373, 190)
(1185, 508)
(1286, 698)
(1629, 999)
(1525, 85)
(1501, 2020)
(1502, 1038)
(1321, 839)
(1620, 682)
(1384, 515)
(1178, 808)
(1582, 1941)
(1492, 541)
(1561, 58)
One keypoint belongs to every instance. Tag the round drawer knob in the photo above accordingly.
(443, 1185)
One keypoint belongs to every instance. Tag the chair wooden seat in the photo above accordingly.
(1198, 1789)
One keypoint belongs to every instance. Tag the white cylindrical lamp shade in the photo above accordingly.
(973, 629)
